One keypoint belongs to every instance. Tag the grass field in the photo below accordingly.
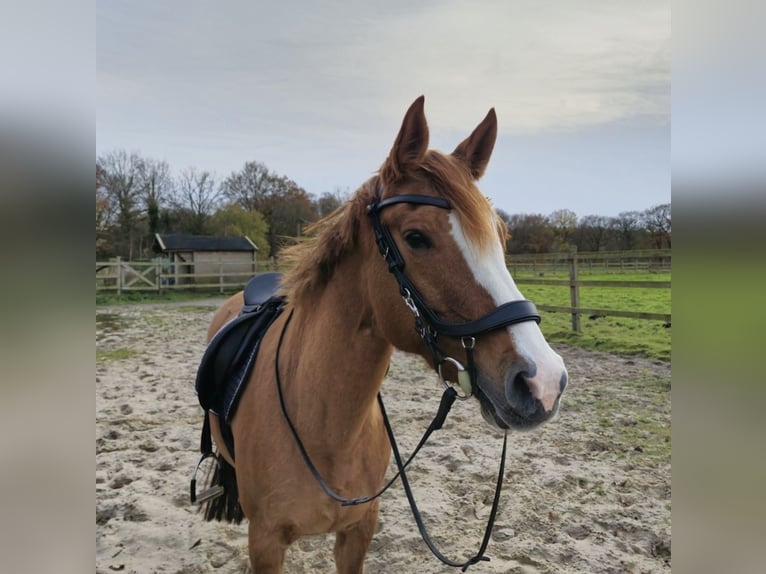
(613, 334)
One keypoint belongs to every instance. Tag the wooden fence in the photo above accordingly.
(573, 262)
(158, 275)
(647, 260)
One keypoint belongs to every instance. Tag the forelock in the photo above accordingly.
(452, 180)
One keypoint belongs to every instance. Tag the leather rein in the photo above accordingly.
(428, 325)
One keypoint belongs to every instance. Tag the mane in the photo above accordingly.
(312, 262)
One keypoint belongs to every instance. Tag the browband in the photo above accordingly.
(414, 199)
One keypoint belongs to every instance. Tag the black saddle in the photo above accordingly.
(259, 290)
(230, 355)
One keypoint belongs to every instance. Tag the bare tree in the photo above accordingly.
(120, 177)
(594, 232)
(196, 196)
(564, 223)
(282, 202)
(657, 222)
(105, 214)
(627, 228)
(504, 215)
(289, 210)
(329, 201)
(251, 187)
(530, 233)
(156, 187)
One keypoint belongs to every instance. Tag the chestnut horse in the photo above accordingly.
(347, 313)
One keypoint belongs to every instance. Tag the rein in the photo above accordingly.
(447, 400)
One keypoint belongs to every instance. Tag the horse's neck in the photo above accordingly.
(340, 361)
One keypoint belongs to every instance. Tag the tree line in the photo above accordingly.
(137, 197)
(563, 230)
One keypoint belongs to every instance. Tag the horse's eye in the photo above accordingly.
(417, 240)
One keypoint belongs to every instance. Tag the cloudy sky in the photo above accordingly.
(317, 90)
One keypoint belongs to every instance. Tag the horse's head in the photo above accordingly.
(451, 264)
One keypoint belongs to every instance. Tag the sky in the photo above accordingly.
(317, 91)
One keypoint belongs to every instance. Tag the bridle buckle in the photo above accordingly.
(410, 302)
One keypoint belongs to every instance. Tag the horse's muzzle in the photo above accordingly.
(527, 403)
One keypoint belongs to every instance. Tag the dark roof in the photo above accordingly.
(164, 242)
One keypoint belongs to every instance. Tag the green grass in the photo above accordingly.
(632, 418)
(115, 354)
(641, 337)
(109, 322)
(648, 427)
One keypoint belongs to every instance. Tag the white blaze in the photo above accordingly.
(489, 270)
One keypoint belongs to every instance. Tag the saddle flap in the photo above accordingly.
(229, 358)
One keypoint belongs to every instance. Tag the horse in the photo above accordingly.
(347, 309)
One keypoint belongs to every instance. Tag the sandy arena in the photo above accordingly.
(587, 493)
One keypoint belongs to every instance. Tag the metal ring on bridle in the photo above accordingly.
(464, 378)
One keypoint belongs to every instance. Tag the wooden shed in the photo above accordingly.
(206, 259)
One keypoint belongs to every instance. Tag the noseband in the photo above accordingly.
(427, 323)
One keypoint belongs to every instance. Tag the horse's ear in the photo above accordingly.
(412, 142)
(477, 148)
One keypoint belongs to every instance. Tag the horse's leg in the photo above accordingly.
(267, 550)
(351, 544)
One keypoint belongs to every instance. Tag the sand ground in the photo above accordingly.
(589, 492)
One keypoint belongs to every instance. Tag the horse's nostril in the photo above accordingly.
(563, 382)
(519, 385)
(520, 394)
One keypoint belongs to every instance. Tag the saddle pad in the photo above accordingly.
(229, 358)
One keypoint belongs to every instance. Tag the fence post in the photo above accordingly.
(119, 274)
(220, 276)
(574, 290)
(158, 271)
